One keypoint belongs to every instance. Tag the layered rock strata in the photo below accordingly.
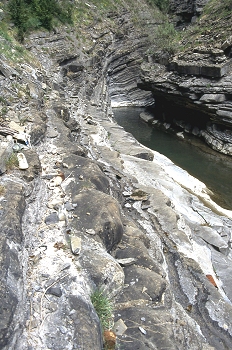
(205, 102)
(95, 209)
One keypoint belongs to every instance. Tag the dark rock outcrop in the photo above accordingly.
(186, 10)
(12, 289)
(205, 103)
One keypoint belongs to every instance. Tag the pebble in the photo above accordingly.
(54, 203)
(37, 288)
(62, 216)
(53, 307)
(90, 231)
(119, 327)
(126, 261)
(126, 193)
(55, 291)
(52, 133)
(75, 245)
(68, 206)
(51, 219)
(127, 205)
(142, 330)
(63, 329)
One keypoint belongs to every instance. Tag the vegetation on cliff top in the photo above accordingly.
(32, 14)
(212, 28)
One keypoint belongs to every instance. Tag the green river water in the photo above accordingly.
(195, 157)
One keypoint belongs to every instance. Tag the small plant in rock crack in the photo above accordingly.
(12, 162)
(104, 308)
(2, 190)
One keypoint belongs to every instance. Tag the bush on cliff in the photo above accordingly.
(162, 5)
(31, 14)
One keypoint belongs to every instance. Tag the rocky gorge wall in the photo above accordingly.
(193, 88)
(95, 209)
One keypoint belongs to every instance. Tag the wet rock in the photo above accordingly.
(147, 117)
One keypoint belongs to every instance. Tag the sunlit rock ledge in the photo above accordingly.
(180, 203)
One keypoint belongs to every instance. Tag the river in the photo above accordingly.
(191, 154)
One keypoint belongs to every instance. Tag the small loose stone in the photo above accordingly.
(127, 205)
(90, 231)
(55, 291)
(63, 329)
(75, 245)
(119, 327)
(142, 330)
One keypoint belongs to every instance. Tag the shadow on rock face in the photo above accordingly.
(84, 318)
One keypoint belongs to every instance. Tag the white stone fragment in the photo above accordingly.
(142, 330)
(75, 243)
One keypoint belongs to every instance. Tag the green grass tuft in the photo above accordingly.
(103, 307)
(12, 162)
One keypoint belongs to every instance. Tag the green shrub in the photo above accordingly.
(31, 14)
(12, 162)
(167, 37)
(162, 5)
